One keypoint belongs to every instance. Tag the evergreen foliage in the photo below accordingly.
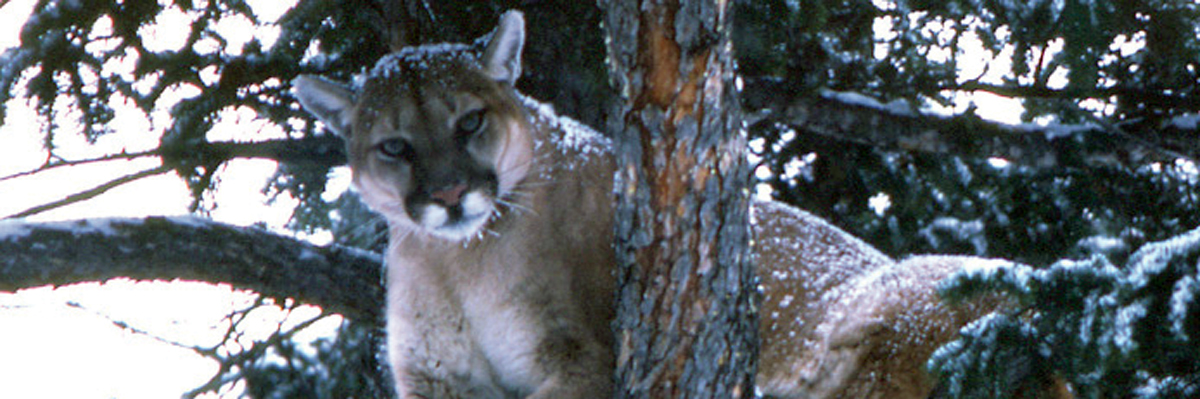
(1109, 331)
(334, 368)
(909, 55)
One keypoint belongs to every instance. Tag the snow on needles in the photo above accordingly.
(896, 107)
(1153, 258)
(1185, 122)
(1091, 308)
(1182, 297)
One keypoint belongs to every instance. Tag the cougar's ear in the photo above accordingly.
(329, 101)
(502, 58)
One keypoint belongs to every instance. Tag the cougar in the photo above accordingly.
(499, 264)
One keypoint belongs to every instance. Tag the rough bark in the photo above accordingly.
(341, 280)
(686, 322)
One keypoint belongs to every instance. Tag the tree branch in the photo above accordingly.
(324, 151)
(341, 280)
(1041, 91)
(858, 119)
(55, 165)
(91, 193)
(317, 152)
(232, 366)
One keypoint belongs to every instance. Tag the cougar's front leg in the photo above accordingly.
(414, 385)
(445, 370)
(429, 343)
(422, 385)
(419, 375)
(577, 365)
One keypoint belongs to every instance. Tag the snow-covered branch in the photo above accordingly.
(852, 117)
(341, 280)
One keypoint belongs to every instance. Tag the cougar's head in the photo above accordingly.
(435, 134)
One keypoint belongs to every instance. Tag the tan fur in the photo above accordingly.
(521, 307)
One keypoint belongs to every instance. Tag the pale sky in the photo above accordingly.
(61, 343)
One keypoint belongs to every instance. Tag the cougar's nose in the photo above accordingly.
(449, 196)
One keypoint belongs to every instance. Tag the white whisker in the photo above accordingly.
(516, 206)
(533, 184)
(403, 235)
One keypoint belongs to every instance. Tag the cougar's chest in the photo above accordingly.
(461, 310)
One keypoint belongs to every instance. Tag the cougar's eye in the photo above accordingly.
(395, 149)
(470, 123)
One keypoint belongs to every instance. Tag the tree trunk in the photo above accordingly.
(686, 320)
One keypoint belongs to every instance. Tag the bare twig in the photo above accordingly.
(235, 319)
(232, 364)
(92, 193)
(55, 165)
(134, 330)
